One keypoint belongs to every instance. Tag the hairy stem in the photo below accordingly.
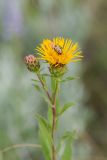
(53, 129)
(53, 102)
(54, 121)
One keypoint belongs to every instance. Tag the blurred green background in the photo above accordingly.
(24, 24)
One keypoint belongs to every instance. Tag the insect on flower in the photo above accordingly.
(58, 49)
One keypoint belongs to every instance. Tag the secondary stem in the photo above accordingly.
(44, 87)
(19, 146)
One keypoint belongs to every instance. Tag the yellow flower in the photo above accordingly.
(59, 51)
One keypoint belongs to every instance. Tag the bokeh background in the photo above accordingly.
(23, 24)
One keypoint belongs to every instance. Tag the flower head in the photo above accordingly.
(59, 51)
(32, 63)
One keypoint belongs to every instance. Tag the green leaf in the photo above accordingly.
(37, 87)
(43, 78)
(35, 80)
(64, 148)
(67, 154)
(69, 79)
(65, 107)
(43, 120)
(45, 136)
(49, 75)
(69, 134)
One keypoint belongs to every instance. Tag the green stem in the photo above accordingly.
(54, 120)
(19, 146)
(53, 129)
(53, 102)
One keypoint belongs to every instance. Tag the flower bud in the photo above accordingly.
(58, 71)
(32, 63)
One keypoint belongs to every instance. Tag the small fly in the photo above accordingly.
(58, 49)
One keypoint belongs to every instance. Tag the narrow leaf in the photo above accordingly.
(35, 80)
(65, 146)
(43, 120)
(37, 87)
(67, 154)
(49, 75)
(69, 134)
(45, 136)
(65, 107)
(69, 79)
(43, 78)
